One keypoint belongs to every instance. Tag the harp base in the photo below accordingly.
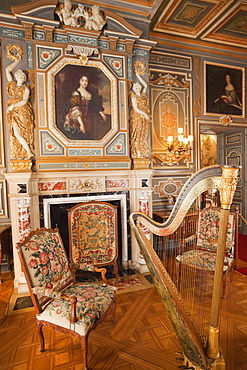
(217, 364)
(213, 364)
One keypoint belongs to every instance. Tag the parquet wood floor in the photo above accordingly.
(142, 338)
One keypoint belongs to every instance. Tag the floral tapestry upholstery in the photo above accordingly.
(93, 233)
(209, 221)
(92, 302)
(204, 260)
(203, 250)
(46, 261)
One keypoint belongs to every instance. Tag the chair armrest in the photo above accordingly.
(102, 270)
(47, 292)
(90, 267)
(188, 243)
(190, 238)
(73, 301)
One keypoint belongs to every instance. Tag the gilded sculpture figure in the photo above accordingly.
(19, 109)
(139, 115)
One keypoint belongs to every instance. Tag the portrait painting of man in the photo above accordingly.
(83, 102)
(224, 87)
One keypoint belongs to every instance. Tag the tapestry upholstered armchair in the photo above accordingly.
(65, 306)
(93, 236)
(199, 251)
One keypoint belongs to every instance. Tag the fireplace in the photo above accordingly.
(42, 199)
(54, 213)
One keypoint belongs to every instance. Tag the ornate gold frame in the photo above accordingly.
(216, 73)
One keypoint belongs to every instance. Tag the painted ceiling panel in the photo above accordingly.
(190, 18)
(230, 29)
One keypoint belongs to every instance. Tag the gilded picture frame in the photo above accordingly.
(64, 81)
(224, 90)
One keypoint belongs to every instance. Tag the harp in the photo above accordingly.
(198, 353)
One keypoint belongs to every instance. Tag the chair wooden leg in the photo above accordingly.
(113, 309)
(231, 272)
(103, 273)
(84, 341)
(224, 286)
(41, 336)
(115, 271)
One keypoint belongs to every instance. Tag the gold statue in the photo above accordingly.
(139, 116)
(19, 109)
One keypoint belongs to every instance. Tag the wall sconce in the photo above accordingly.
(176, 149)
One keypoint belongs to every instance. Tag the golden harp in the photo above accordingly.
(198, 354)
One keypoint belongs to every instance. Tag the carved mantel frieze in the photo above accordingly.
(87, 184)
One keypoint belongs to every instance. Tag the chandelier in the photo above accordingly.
(176, 148)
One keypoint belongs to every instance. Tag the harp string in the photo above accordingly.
(193, 287)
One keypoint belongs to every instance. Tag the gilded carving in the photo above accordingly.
(197, 102)
(21, 165)
(141, 163)
(139, 115)
(28, 32)
(49, 35)
(129, 47)
(19, 109)
(113, 44)
(228, 185)
(169, 80)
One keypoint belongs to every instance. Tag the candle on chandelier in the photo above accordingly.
(170, 139)
(180, 138)
(190, 139)
(185, 141)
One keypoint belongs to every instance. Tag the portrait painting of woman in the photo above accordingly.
(224, 90)
(83, 102)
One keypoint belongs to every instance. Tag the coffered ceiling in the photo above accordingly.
(219, 21)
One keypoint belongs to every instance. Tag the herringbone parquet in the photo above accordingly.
(142, 338)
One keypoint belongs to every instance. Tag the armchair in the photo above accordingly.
(61, 304)
(93, 237)
(199, 251)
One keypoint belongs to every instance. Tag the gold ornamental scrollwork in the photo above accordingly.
(140, 68)
(228, 185)
(169, 80)
(21, 165)
(14, 51)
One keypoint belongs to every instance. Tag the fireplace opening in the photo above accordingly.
(54, 214)
(59, 219)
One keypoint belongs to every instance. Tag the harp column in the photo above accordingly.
(227, 190)
(144, 207)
